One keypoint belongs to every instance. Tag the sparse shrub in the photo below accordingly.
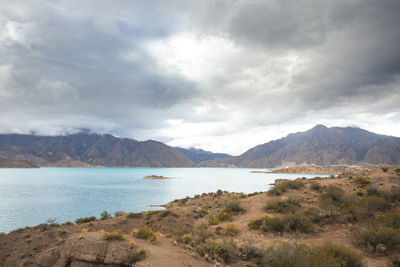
(374, 237)
(231, 229)
(181, 237)
(200, 234)
(213, 220)
(373, 204)
(85, 220)
(297, 223)
(115, 235)
(315, 185)
(200, 212)
(224, 216)
(302, 255)
(51, 221)
(285, 204)
(283, 186)
(384, 168)
(372, 191)
(119, 213)
(313, 213)
(105, 215)
(143, 232)
(390, 219)
(397, 171)
(133, 215)
(255, 224)
(333, 193)
(362, 181)
(166, 213)
(248, 251)
(219, 192)
(134, 255)
(234, 206)
(273, 224)
(223, 251)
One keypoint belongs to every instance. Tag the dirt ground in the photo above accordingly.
(81, 245)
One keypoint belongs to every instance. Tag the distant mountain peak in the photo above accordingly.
(319, 127)
(321, 146)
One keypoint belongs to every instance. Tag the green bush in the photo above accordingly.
(273, 224)
(133, 215)
(181, 237)
(313, 213)
(223, 251)
(248, 251)
(315, 185)
(297, 223)
(283, 186)
(115, 235)
(390, 219)
(234, 206)
(374, 237)
(143, 232)
(134, 255)
(119, 213)
(255, 224)
(284, 204)
(200, 234)
(373, 204)
(289, 223)
(224, 216)
(302, 255)
(85, 220)
(384, 168)
(231, 229)
(333, 193)
(213, 220)
(105, 215)
(362, 181)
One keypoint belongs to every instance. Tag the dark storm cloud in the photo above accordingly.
(64, 64)
(198, 72)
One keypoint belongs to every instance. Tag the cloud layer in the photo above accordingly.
(217, 74)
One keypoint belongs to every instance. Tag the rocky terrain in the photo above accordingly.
(348, 220)
(321, 146)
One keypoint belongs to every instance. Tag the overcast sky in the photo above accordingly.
(220, 75)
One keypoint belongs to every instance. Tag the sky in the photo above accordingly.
(220, 75)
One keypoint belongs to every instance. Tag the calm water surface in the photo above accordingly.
(31, 196)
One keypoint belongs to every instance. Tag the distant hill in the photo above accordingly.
(319, 145)
(199, 155)
(90, 149)
(8, 163)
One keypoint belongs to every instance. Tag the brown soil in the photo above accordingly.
(82, 245)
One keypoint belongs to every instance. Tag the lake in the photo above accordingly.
(31, 196)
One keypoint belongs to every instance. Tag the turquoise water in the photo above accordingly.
(31, 196)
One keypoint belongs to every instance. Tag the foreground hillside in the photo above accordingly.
(83, 150)
(319, 145)
(350, 220)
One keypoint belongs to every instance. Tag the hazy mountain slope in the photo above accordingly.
(94, 149)
(8, 163)
(320, 145)
(199, 155)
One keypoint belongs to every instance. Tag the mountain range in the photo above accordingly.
(319, 145)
